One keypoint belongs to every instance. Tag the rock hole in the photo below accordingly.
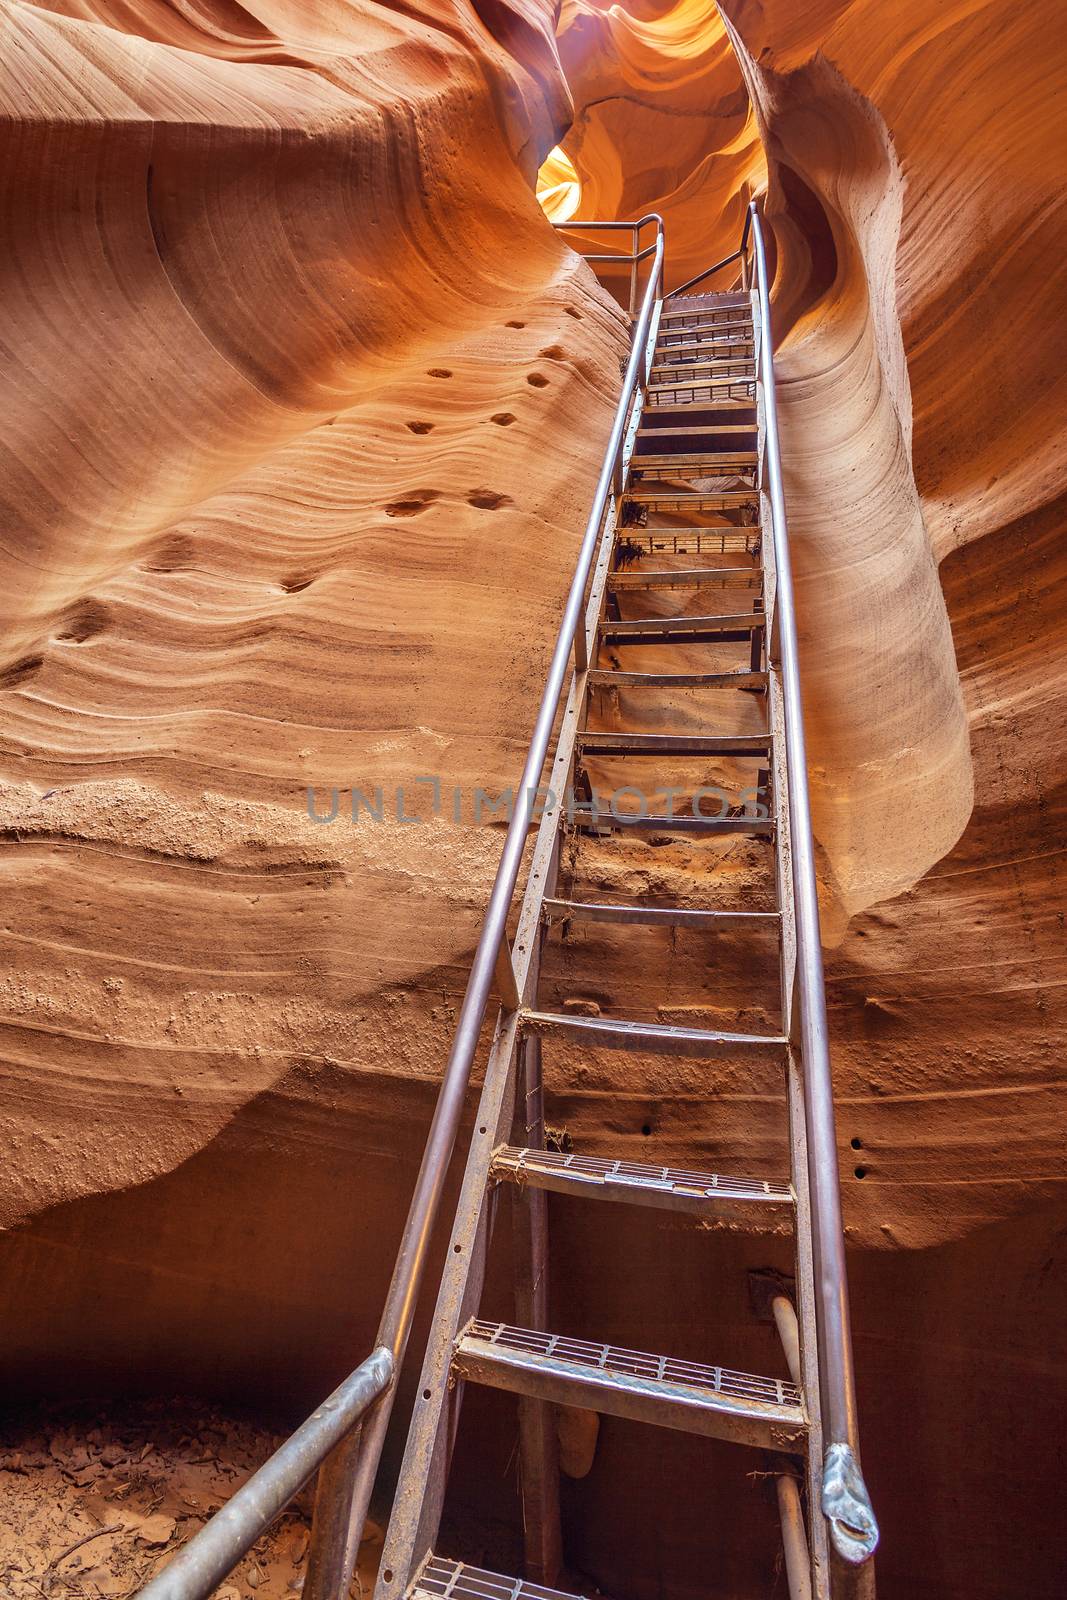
(173, 555)
(415, 503)
(861, 1172)
(420, 427)
(857, 1144)
(537, 380)
(83, 621)
(295, 585)
(438, 372)
(553, 352)
(646, 1129)
(488, 499)
(515, 324)
(20, 671)
(503, 419)
(571, 312)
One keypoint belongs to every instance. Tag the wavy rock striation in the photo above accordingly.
(302, 404)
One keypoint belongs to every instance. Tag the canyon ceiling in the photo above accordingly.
(303, 405)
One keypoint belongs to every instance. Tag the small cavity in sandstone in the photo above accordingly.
(20, 671)
(420, 427)
(537, 380)
(83, 621)
(174, 554)
(503, 418)
(488, 499)
(411, 506)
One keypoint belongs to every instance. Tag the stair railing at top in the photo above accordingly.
(335, 1439)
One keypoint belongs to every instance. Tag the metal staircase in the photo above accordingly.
(693, 515)
(686, 550)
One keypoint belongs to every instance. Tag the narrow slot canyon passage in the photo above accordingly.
(312, 359)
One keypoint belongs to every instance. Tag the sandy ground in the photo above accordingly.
(93, 1506)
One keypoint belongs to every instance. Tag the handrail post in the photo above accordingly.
(636, 236)
(845, 1501)
(347, 1477)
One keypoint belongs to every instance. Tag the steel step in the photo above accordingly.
(694, 499)
(683, 630)
(687, 578)
(613, 678)
(584, 818)
(658, 916)
(712, 403)
(696, 541)
(702, 1194)
(682, 376)
(687, 1395)
(673, 744)
(674, 328)
(441, 1579)
(721, 300)
(697, 431)
(711, 364)
(657, 1038)
(675, 415)
(725, 343)
(705, 463)
(707, 344)
(704, 392)
(716, 360)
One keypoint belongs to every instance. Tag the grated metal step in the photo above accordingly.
(719, 430)
(699, 402)
(676, 328)
(705, 1194)
(658, 916)
(441, 1579)
(673, 744)
(656, 1038)
(712, 301)
(586, 820)
(687, 578)
(688, 1395)
(707, 348)
(695, 541)
(702, 392)
(686, 500)
(614, 678)
(714, 364)
(702, 463)
(683, 630)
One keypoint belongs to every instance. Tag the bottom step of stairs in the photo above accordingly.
(441, 1579)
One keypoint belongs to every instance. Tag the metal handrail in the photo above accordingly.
(213, 1552)
(636, 255)
(346, 1454)
(845, 1501)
